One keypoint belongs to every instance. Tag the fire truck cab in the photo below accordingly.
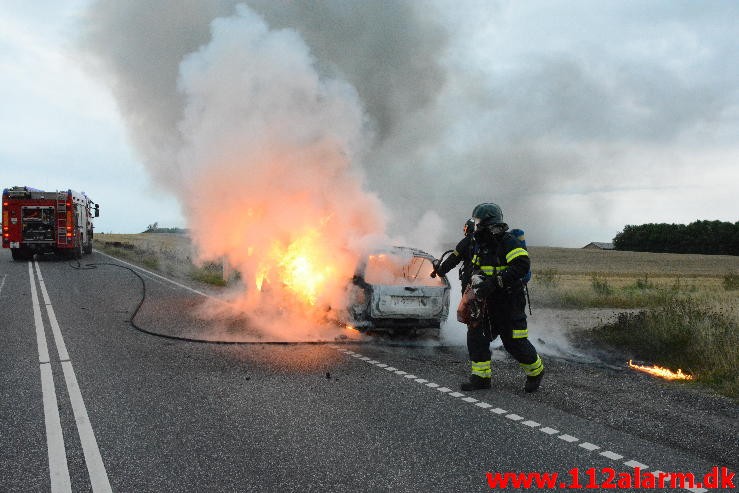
(35, 221)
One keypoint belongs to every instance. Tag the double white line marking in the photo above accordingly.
(58, 468)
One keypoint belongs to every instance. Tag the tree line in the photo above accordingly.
(154, 228)
(707, 237)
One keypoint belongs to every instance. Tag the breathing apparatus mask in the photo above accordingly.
(486, 231)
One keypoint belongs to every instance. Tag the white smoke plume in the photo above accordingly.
(543, 107)
(434, 106)
(261, 158)
(266, 162)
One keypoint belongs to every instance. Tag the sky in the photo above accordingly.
(577, 117)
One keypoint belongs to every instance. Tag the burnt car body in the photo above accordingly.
(393, 292)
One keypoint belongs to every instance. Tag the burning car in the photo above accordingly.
(393, 292)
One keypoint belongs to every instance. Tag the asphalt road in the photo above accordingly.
(111, 408)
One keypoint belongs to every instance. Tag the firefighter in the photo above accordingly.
(462, 253)
(499, 263)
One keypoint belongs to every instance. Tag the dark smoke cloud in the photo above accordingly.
(551, 107)
(387, 50)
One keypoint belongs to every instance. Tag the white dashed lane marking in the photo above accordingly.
(508, 415)
(568, 438)
(611, 455)
(633, 463)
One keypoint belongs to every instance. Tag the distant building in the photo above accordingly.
(598, 245)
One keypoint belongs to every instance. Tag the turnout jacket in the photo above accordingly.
(462, 253)
(501, 255)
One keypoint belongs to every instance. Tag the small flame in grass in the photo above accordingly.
(658, 371)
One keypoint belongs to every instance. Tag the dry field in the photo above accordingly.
(578, 261)
(561, 275)
(169, 244)
(678, 310)
(575, 277)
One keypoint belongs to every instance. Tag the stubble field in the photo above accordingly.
(678, 310)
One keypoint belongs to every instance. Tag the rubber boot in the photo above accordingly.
(532, 383)
(476, 383)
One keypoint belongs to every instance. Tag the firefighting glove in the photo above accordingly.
(436, 263)
(481, 285)
(486, 285)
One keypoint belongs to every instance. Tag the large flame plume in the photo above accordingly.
(271, 184)
(661, 372)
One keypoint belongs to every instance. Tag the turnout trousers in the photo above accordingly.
(505, 317)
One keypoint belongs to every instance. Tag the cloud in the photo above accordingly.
(508, 101)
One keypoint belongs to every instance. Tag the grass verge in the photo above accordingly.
(209, 274)
(130, 253)
(681, 333)
(163, 261)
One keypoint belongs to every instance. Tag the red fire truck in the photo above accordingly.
(35, 221)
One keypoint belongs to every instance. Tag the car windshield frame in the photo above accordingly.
(400, 267)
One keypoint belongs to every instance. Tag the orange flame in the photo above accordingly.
(304, 267)
(658, 371)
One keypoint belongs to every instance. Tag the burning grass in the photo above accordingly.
(660, 372)
(683, 334)
(683, 309)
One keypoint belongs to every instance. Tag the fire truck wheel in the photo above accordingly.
(77, 251)
(88, 249)
(21, 254)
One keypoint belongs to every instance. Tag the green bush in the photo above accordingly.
(209, 273)
(678, 286)
(643, 283)
(601, 286)
(731, 281)
(150, 262)
(681, 334)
